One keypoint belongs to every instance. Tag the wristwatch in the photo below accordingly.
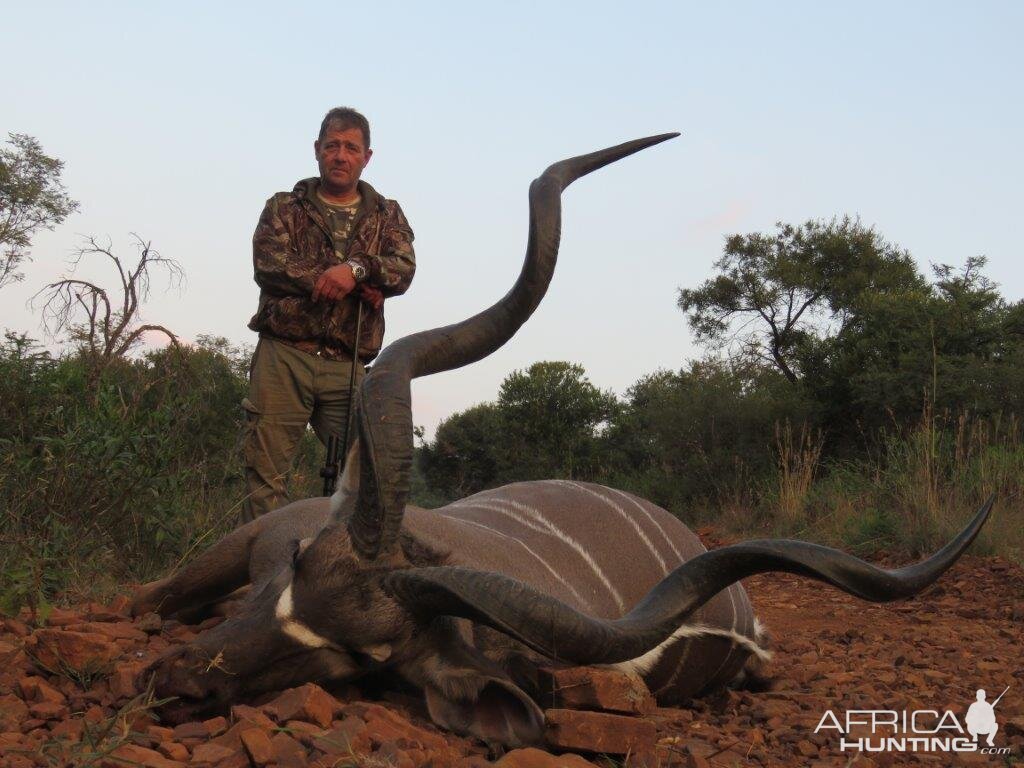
(358, 271)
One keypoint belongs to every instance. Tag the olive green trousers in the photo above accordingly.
(288, 390)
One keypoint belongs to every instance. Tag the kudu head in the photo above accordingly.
(360, 595)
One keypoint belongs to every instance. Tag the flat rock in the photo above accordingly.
(58, 649)
(36, 689)
(174, 751)
(383, 724)
(240, 712)
(215, 726)
(537, 758)
(132, 754)
(257, 746)
(124, 680)
(347, 736)
(599, 732)
(595, 688)
(69, 730)
(61, 617)
(48, 710)
(16, 627)
(211, 753)
(190, 730)
(8, 650)
(149, 623)
(288, 753)
(308, 702)
(12, 712)
(114, 630)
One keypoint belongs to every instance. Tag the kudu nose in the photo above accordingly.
(180, 678)
(186, 679)
(154, 669)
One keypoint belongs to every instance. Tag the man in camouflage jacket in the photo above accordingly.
(319, 251)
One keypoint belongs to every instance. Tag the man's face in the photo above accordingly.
(341, 155)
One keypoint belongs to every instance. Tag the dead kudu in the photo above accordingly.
(462, 600)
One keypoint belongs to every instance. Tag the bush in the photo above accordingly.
(545, 423)
(702, 438)
(920, 489)
(117, 480)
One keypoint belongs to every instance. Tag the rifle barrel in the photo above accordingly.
(331, 468)
(1000, 696)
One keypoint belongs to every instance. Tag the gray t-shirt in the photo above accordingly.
(339, 220)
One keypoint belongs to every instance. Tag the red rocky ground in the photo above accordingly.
(67, 693)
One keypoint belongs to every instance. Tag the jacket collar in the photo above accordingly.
(305, 194)
(306, 190)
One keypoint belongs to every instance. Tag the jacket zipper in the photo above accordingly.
(310, 209)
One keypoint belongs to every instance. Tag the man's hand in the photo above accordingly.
(334, 284)
(371, 295)
(337, 283)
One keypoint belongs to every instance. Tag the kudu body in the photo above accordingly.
(594, 548)
(463, 600)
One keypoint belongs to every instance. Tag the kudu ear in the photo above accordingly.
(502, 713)
(469, 693)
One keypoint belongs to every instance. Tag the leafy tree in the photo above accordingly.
(954, 346)
(703, 433)
(466, 453)
(971, 308)
(775, 293)
(552, 415)
(545, 423)
(32, 197)
(848, 318)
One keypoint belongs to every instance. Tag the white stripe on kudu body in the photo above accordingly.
(631, 520)
(537, 522)
(661, 531)
(540, 559)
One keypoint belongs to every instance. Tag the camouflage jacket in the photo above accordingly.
(292, 247)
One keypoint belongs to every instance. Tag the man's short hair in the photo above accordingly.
(343, 118)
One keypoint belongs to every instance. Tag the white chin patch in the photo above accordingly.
(297, 631)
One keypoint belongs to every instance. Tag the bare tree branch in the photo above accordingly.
(134, 336)
(84, 311)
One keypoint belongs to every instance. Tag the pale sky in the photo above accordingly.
(177, 121)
